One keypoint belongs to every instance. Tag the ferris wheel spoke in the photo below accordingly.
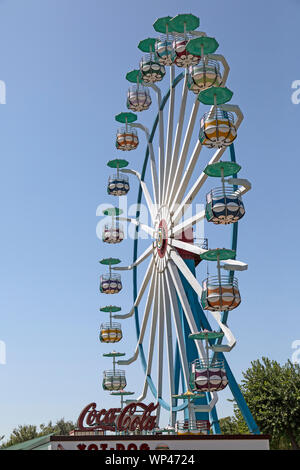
(202, 178)
(187, 176)
(193, 282)
(148, 305)
(183, 180)
(196, 188)
(141, 292)
(149, 230)
(178, 328)
(145, 190)
(185, 305)
(169, 341)
(161, 154)
(188, 223)
(187, 246)
(140, 259)
(169, 141)
(192, 325)
(151, 344)
(184, 150)
(152, 161)
(160, 352)
(178, 136)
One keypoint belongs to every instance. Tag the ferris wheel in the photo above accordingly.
(177, 307)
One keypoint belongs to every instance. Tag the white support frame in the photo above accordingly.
(149, 230)
(161, 154)
(169, 343)
(192, 325)
(140, 259)
(178, 136)
(198, 289)
(151, 345)
(148, 306)
(202, 178)
(143, 287)
(169, 137)
(152, 161)
(151, 207)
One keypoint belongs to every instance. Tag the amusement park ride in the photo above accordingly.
(175, 302)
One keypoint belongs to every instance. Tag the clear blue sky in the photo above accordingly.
(64, 62)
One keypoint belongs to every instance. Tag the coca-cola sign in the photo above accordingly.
(116, 419)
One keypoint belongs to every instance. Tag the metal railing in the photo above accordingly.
(205, 364)
(217, 114)
(111, 326)
(192, 426)
(118, 177)
(220, 281)
(227, 191)
(110, 277)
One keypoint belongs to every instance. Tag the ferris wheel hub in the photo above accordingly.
(163, 229)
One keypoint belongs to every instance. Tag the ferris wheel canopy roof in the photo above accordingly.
(215, 169)
(113, 354)
(187, 22)
(110, 308)
(195, 46)
(222, 95)
(113, 211)
(218, 253)
(126, 117)
(117, 163)
(161, 25)
(206, 335)
(110, 261)
(134, 76)
(147, 45)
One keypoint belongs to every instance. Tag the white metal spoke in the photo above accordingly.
(143, 287)
(187, 246)
(178, 136)
(160, 354)
(182, 186)
(198, 289)
(151, 344)
(188, 223)
(140, 259)
(152, 161)
(169, 130)
(178, 328)
(184, 150)
(169, 342)
(185, 305)
(148, 305)
(149, 230)
(161, 153)
(196, 188)
(202, 178)
(192, 325)
(145, 190)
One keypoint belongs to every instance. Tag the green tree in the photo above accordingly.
(27, 432)
(272, 393)
(61, 428)
(21, 434)
(228, 425)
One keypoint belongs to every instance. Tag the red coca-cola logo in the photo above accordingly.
(116, 419)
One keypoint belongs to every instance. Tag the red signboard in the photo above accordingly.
(116, 419)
